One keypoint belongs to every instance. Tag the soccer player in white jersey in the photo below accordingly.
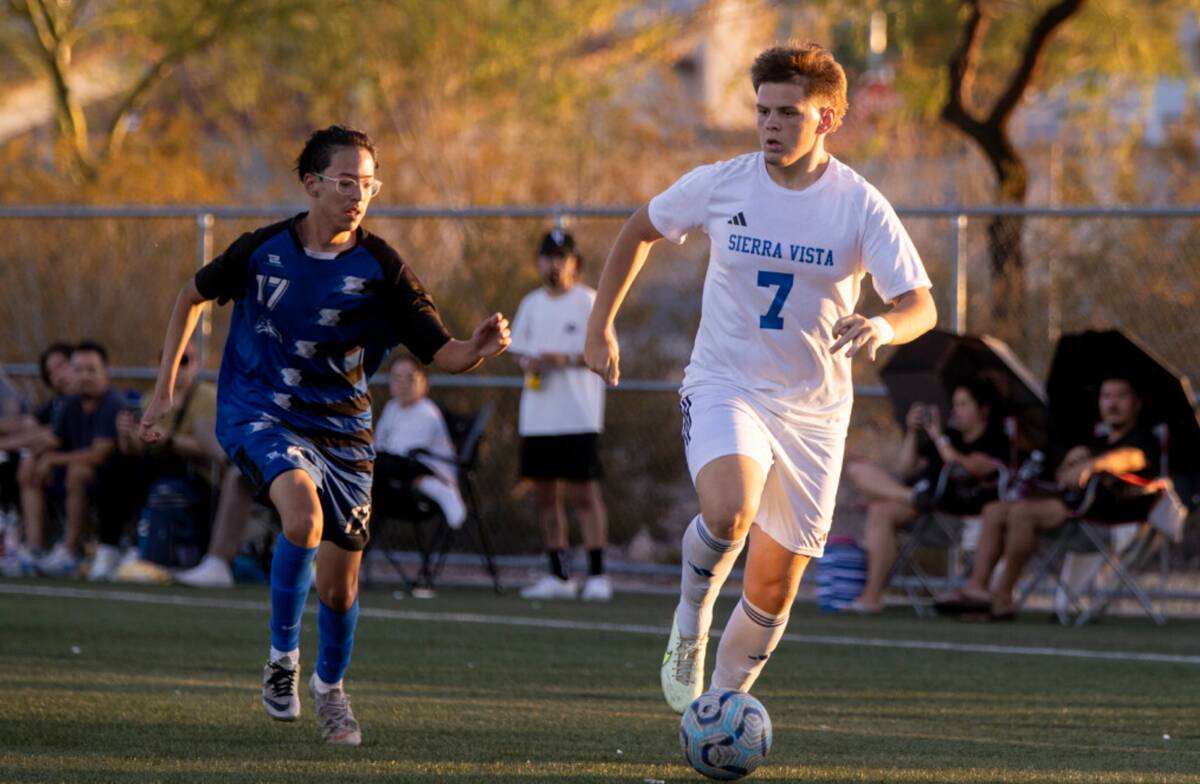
(767, 393)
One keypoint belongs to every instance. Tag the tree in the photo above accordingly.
(989, 131)
(45, 35)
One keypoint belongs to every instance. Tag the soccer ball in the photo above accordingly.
(725, 734)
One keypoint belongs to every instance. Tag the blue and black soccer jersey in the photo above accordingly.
(304, 335)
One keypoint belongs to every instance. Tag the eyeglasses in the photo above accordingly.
(348, 186)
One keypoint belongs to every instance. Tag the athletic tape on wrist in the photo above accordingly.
(886, 333)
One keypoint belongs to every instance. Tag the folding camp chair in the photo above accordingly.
(943, 529)
(1124, 546)
(434, 545)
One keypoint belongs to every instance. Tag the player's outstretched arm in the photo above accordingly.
(912, 315)
(188, 307)
(625, 260)
(490, 338)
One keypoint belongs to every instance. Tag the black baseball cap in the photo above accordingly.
(557, 243)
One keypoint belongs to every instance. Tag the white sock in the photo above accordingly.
(446, 497)
(707, 562)
(277, 654)
(322, 687)
(747, 642)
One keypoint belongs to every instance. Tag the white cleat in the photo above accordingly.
(683, 669)
(597, 588)
(211, 572)
(280, 695)
(549, 587)
(334, 716)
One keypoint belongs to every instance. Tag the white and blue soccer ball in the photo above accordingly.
(725, 734)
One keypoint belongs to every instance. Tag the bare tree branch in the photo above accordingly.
(1034, 47)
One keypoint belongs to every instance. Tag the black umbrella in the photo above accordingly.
(1082, 361)
(927, 370)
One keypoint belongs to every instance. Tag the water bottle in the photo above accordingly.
(1027, 474)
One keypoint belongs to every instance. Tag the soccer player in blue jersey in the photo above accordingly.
(318, 300)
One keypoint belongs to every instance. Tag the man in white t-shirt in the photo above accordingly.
(766, 396)
(562, 415)
(413, 447)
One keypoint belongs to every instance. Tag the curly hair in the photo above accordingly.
(810, 65)
(318, 150)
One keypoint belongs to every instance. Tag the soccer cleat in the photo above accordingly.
(280, 695)
(61, 562)
(683, 669)
(597, 588)
(334, 716)
(549, 587)
(212, 572)
(104, 563)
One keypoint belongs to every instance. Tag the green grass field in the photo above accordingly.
(122, 684)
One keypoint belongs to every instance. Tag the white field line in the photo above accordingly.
(211, 602)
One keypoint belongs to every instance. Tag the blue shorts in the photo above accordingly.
(264, 451)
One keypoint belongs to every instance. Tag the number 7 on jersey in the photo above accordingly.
(784, 280)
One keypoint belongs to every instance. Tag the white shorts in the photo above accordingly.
(802, 468)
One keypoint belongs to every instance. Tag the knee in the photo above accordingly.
(772, 595)
(303, 527)
(79, 476)
(729, 520)
(340, 597)
(995, 513)
(855, 470)
(584, 497)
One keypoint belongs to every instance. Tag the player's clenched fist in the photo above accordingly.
(602, 355)
(491, 337)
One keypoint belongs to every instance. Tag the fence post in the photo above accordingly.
(958, 274)
(204, 249)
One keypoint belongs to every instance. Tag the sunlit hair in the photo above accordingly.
(318, 150)
(810, 66)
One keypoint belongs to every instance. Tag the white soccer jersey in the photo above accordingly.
(784, 266)
(568, 400)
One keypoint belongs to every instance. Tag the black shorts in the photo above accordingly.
(575, 457)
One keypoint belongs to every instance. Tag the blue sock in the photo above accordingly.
(336, 641)
(291, 577)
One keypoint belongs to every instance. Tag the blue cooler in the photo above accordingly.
(841, 574)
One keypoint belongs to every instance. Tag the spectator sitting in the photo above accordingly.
(85, 437)
(186, 452)
(410, 437)
(974, 445)
(1010, 527)
(21, 431)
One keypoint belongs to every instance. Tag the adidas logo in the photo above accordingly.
(737, 220)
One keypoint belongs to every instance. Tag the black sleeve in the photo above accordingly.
(993, 443)
(224, 278)
(408, 310)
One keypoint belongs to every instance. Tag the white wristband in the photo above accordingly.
(886, 333)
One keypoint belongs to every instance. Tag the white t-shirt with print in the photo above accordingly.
(400, 430)
(784, 266)
(568, 400)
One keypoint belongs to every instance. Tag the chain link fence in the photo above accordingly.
(1027, 276)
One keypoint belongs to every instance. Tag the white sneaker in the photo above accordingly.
(597, 588)
(104, 563)
(334, 716)
(280, 696)
(682, 671)
(211, 572)
(549, 587)
(61, 562)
